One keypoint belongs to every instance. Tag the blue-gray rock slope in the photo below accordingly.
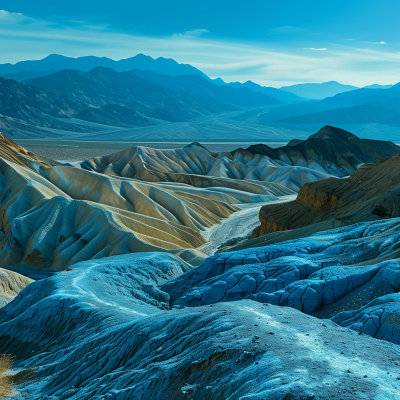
(350, 274)
(102, 331)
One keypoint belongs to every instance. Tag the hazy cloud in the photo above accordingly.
(313, 48)
(193, 33)
(285, 30)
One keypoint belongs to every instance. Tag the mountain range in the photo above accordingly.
(318, 91)
(368, 113)
(197, 85)
(282, 95)
(360, 96)
(158, 91)
(55, 62)
(101, 95)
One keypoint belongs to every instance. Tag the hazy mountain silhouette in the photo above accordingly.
(368, 113)
(375, 86)
(102, 86)
(102, 95)
(318, 91)
(25, 75)
(279, 94)
(364, 95)
(197, 85)
(57, 62)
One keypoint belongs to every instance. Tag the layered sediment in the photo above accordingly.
(370, 193)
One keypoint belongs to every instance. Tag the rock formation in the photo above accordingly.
(103, 330)
(54, 215)
(331, 150)
(121, 315)
(196, 166)
(350, 274)
(370, 193)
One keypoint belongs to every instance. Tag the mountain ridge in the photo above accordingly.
(318, 91)
(197, 85)
(140, 61)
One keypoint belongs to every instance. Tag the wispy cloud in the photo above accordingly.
(191, 34)
(285, 30)
(22, 38)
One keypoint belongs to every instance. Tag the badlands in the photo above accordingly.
(110, 286)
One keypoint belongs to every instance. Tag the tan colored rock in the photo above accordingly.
(11, 151)
(11, 284)
(370, 193)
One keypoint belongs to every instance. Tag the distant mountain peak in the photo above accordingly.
(329, 132)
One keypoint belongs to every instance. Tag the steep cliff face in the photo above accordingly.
(370, 193)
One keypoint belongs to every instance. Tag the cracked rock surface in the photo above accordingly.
(101, 331)
(350, 274)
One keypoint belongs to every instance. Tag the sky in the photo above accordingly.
(273, 43)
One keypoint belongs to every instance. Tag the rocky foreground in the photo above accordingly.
(147, 326)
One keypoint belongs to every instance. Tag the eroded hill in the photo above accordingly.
(370, 193)
(330, 150)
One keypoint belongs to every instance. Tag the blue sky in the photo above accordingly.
(270, 42)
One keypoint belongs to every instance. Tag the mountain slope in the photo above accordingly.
(197, 85)
(105, 330)
(114, 115)
(361, 96)
(57, 62)
(282, 95)
(360, 114)
(102, 86)
(318, 91)
(364, 196)
(102, 96)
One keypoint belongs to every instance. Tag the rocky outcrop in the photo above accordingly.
(331, 150)
(370, 193)
(53, 216)
(11, 284)
(350, 274)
